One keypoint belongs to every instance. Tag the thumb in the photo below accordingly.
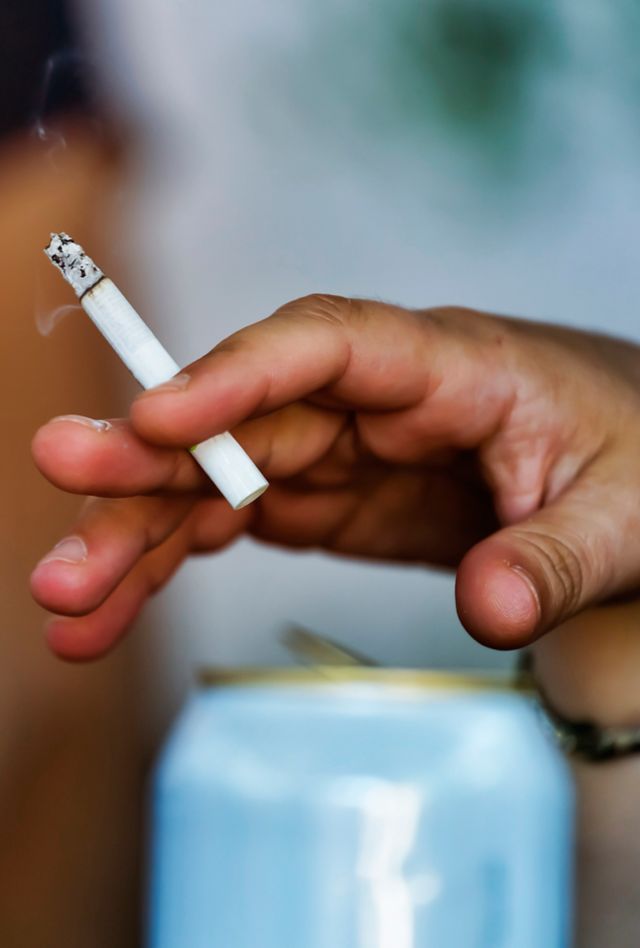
(530, 577)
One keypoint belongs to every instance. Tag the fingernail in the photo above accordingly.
(98, 424)
(69, 550)
(177, 384)
(528, 580)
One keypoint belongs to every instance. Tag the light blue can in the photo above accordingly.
(361, 809)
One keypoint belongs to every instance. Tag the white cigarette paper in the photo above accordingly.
(221, 457)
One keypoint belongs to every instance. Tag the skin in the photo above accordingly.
(502, 449)
(70, 768)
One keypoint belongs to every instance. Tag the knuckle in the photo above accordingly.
(451, 317)
(324, 307)
(482, 327)
(448, 312)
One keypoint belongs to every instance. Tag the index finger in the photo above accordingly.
(368, 355)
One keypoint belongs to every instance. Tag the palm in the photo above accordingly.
(351, 502)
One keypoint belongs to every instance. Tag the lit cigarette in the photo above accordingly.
(221, 457)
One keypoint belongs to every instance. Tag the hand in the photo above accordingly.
(505, 449)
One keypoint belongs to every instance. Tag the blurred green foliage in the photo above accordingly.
(473, 59)
(496, 85)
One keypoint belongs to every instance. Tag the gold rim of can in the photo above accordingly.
(406, 679)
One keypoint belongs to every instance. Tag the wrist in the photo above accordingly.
(589, 668)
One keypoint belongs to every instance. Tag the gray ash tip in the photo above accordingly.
(74, 264)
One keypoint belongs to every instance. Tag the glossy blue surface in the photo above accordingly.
(352, 818)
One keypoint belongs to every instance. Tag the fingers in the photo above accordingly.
(106, 542)
(102, 573)
(369, 354)
(91, 636)
(530, 577)
(100, 602)
(108, 459)
(398, 515)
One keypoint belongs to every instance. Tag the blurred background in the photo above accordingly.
(222, 159)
